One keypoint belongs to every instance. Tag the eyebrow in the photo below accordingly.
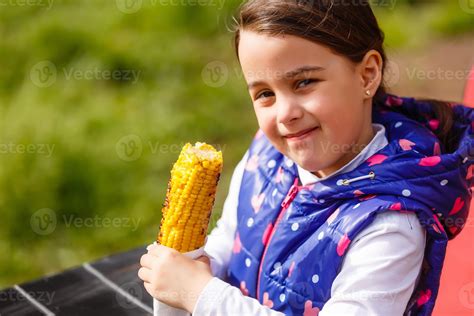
(290, 74)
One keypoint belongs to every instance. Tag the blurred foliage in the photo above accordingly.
(68, 145)
(414, 23)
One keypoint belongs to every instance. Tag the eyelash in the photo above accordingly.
(309, 81)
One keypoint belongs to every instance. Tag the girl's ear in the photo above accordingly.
(370, 70)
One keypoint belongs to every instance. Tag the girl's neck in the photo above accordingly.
(364, 139)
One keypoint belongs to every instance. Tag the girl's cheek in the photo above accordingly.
(265, 121)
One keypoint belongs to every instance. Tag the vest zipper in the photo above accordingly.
(371, 175)
(290, 196)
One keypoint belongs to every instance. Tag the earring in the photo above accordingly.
(367, 93)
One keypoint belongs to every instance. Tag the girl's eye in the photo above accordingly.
(264, 94)
(304, 83)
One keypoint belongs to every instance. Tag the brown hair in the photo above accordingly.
(348, 27)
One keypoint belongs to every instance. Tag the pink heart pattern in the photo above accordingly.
(279, 175)
(406, 144)
(342, 245)
(396, 206)
(470, 172)
(430, 161)
(292, 267)
(376, 159)
(257, 201)
(267, 301)
(243, 288)
(309, 310)
(453, 230)
(437, 226)
(458, 205)
(237, 244)
(252, 163)
(436, 149)
(333, 216)
(393, 101)
(434, 124)
(362, 197)
(424, 297)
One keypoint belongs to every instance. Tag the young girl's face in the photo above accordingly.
(309, 102)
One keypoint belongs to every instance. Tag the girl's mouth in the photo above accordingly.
(301, 135)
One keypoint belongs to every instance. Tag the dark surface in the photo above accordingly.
(79, 292)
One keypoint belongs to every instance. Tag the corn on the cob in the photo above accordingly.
(190, 197)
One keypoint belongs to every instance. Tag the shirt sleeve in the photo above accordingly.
(221, 239)
(220, 298)
(380, 269)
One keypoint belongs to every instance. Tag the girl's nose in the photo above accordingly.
(288, 111)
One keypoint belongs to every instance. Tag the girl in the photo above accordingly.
(347, 196)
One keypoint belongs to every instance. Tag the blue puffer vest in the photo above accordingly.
(291, 240)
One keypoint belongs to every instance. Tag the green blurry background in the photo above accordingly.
(97, 98)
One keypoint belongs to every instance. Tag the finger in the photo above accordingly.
(204, 259)
(158, 250)
(148, 288)
(147, 261)
(151, 245)
(144, 274)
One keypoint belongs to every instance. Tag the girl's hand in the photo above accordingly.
(172, 278)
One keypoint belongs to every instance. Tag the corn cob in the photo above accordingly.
(190, 197)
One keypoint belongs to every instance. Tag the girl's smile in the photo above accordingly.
(299, 136)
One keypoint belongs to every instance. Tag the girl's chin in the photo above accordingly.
(307, 163)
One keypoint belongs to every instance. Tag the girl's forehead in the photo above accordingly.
(262, 56)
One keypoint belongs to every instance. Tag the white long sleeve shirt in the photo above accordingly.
(378, 274)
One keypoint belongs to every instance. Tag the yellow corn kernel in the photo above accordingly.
(190, 197)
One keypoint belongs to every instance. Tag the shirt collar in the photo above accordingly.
(377, 143)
